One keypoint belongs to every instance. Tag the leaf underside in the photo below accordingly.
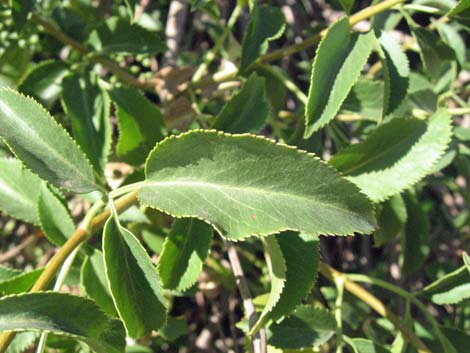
(242, 185)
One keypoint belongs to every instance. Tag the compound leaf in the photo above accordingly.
(19, 190)
(140, 124)
(184, 252)
(88, 106)
(42, 144)
(305, 328)
(242, 185)
(338, 63)
(62, 314)
(133, 281)
(54, 217)
(396, 155)
(266, 24)
(248, 110)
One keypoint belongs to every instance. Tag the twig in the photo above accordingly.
(78, 237)
(13, 252)
(258, 342)
(174, 30)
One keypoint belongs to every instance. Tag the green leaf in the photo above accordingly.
(301, 254)
(88, 108)
(208, 6)
(277, 269)
(42, 144)
(365, 100)
(338, 63)
(305, 328)
(447, 282)
(396, 155)
(184, 252)
(248, 110)
(22, 282)
(93, 280)
(347, 5)
(396, 72)
(19, 190)
(391, 218)
(119, 36)
(133, 281)
(62, 314)
(21, 9)
(44, 82)
(140, 124)
(451, 36)
(367, 346)
(466, 260)
(7, 273)
(174, 328)
(54, 217)
(266, 24)
(415, 236)
(235, 183)
(452, 296)
(434, 53)
(461, 12)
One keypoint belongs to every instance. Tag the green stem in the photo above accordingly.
(339, 282)
(314, 39)
(448, 348)
(376, 305)
(81, 234)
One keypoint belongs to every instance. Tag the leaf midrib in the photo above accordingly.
(245, 189)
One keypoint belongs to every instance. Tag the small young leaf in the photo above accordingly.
(88, 106)
(62, 314)
(140, 124)
(266, 24)
(19, 190)
(43, 82)
(338, 63)
(234, 182)
(278, 280)
(93, 280)
(396, 155)
(119, 36)
(452, 296)
(302, 256)
(307, 327)
(248, 110)
(396, 73)
(42, 144)
(133, 281)
(184, 252)
(54, 217)
(415, 236)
